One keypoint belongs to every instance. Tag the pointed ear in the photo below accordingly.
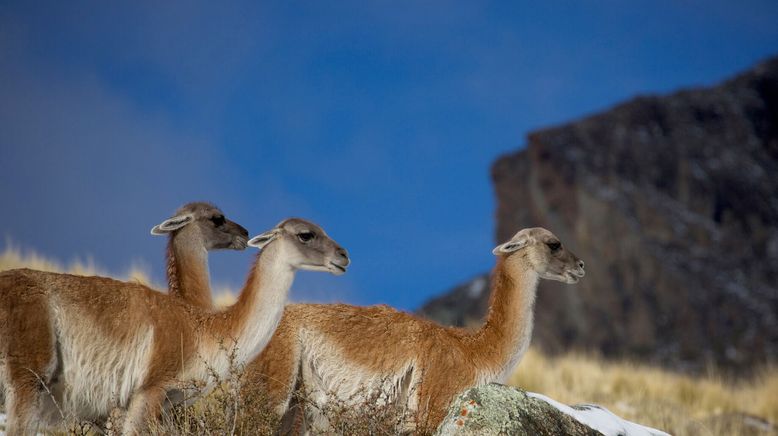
(260, 241)
(510, 246)
(172, 224)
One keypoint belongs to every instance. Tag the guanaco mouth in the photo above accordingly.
(341, 268)
(240, 243)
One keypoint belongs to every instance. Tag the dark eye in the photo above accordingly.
(554, 245)
(218, 221)
(306, 236)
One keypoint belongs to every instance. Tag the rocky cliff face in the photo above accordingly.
(672, 201)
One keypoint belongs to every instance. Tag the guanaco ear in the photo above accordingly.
(510, 246)
(172, 224)
(262, 240)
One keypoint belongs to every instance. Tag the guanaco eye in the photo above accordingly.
(554, 245)
(218, 221)
(306, 236)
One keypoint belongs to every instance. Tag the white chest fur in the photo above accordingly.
(98, 372)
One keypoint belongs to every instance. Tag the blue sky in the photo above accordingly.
(379, 120)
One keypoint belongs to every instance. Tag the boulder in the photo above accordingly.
(496, 409)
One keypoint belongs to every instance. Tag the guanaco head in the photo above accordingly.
(207, 223)
(308, 246)
(544, 253)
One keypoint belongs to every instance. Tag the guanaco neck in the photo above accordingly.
(251, 321)
(187, 268)
(506, 334)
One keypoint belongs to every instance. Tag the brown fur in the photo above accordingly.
(187, 264)
(28, 332)
(380, 341)
(40, 313)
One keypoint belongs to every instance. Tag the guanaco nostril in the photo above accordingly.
(342, 252)
(581, 264)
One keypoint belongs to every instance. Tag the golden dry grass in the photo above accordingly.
(14, 257)
(676, 403)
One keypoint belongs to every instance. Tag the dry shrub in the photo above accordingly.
(366, 412)
(222, 410)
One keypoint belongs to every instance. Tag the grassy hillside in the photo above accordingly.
(676, 403)
(679, 404)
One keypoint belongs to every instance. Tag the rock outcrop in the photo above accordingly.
(672, 201)
(495, 409)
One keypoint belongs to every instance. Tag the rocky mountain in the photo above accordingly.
(672, 201)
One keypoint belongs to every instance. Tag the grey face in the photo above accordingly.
(545, 253)
(218, 231)
(215, 230)
(310, 248)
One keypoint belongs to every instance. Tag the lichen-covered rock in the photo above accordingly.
(499, 410)
(496, 409)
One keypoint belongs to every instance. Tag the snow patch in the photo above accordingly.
(601, 419)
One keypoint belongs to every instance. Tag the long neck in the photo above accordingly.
(252, 320)
(506, 334)
(187, 268)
